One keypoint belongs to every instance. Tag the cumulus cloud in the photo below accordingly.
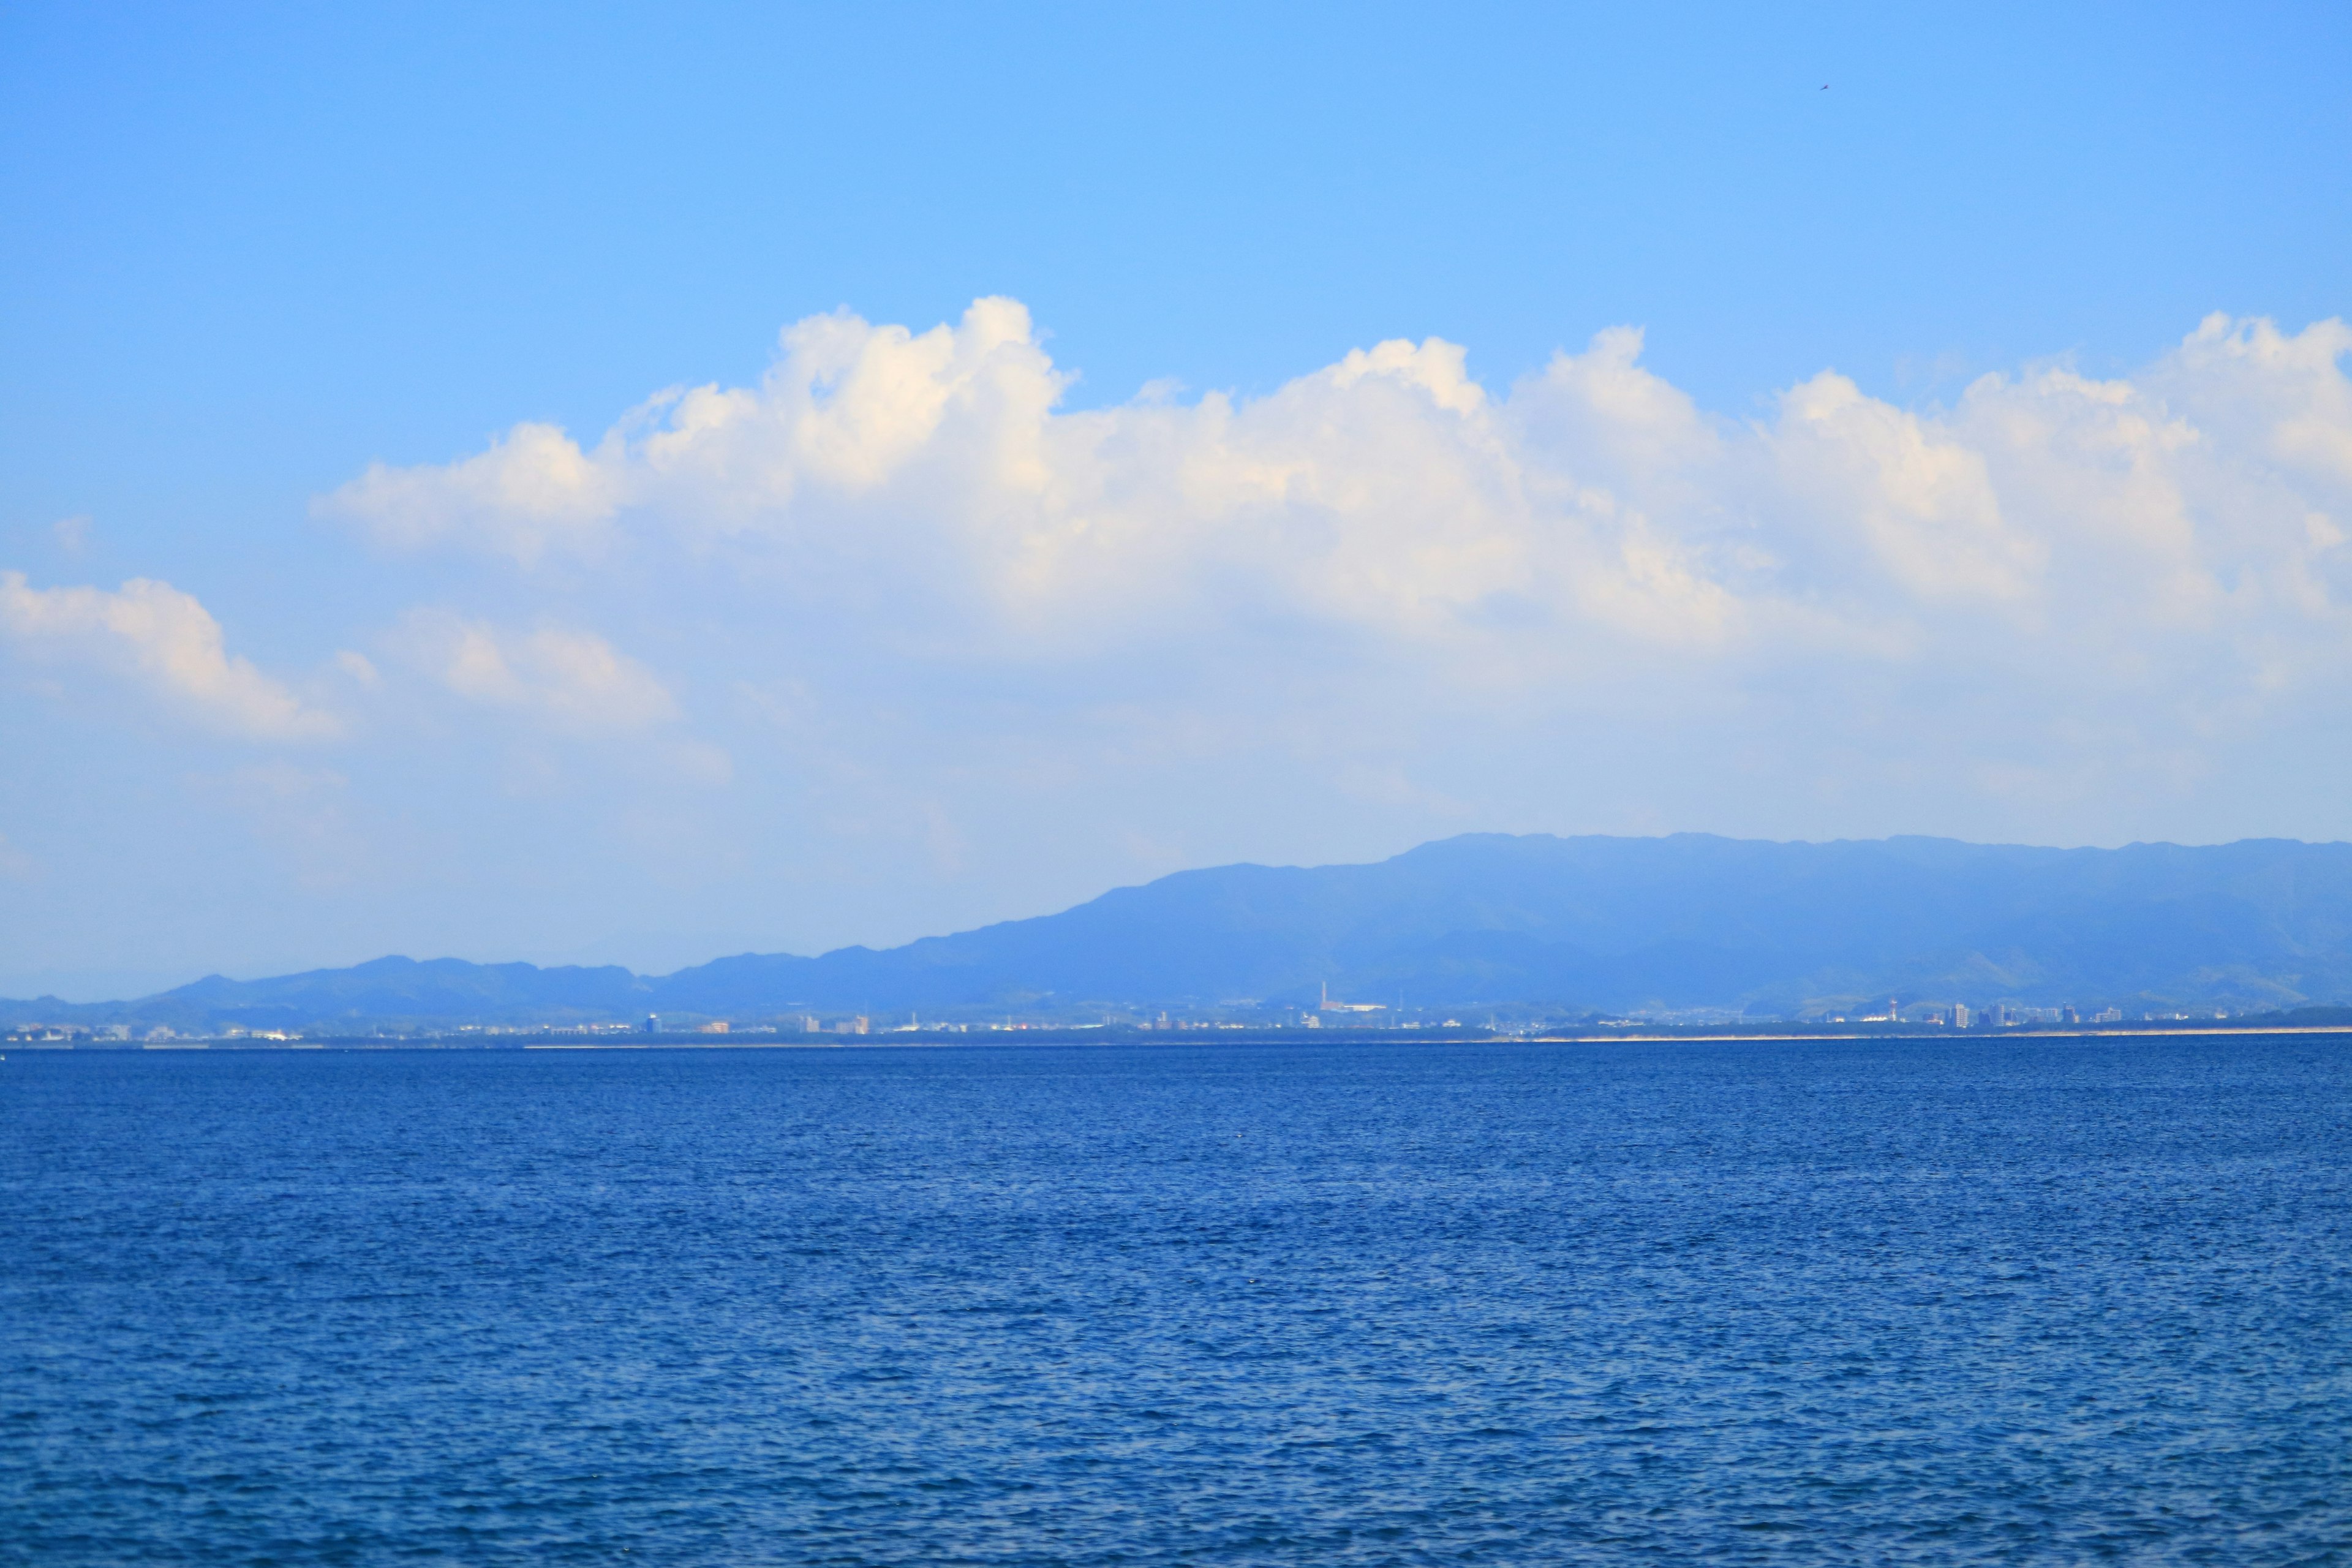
(574, 680)
(533, 491)
(169, 643)
(2166, 547)
(1392, 491)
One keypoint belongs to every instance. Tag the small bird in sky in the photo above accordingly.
(1825, 87)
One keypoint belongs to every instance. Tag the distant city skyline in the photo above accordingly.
(769, 482)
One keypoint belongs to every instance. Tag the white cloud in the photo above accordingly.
(574, 680)
(2059, 603)
(531, 493)
(169, 643)
(1593, 510)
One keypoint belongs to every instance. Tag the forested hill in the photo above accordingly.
(1613, 924)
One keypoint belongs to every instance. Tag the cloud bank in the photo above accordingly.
(2179, 532)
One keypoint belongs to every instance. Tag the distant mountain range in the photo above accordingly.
(1583, 924)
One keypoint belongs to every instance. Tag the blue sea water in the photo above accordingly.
(1867, 1302)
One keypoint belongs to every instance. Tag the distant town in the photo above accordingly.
(1239, 1018)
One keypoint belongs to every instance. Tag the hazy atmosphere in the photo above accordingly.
(1188, 787)
(532, 501)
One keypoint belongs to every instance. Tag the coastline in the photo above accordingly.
(1097, 1035)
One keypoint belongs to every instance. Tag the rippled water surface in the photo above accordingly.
(1871, 1303)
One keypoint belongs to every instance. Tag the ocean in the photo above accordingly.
(1896, 1302)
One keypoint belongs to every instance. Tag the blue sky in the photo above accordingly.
(1136, 573)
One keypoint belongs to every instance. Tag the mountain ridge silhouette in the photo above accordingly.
(1683, 921)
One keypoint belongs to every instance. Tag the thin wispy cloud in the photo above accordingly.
(572, 680)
